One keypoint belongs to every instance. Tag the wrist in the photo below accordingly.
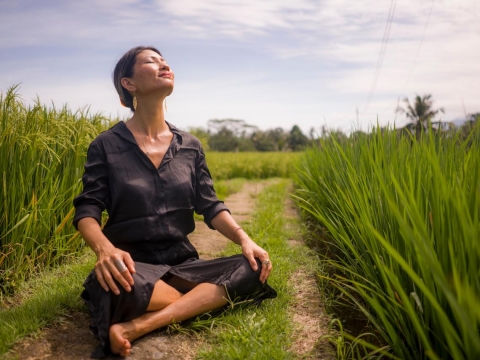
(102, 249)
(243, 238)
(236, 235)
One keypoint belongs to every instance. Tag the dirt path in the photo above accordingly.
(70, 338)
(310, 320)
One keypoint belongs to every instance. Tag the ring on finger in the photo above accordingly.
(266, 262)
(120, 265)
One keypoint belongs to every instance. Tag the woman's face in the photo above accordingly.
(151, 73)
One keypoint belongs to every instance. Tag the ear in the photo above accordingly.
(127, 84)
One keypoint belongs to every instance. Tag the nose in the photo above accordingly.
(164, 66)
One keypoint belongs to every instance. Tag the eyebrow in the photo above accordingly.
(152, 57)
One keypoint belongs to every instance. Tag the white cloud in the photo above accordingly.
(292, 60)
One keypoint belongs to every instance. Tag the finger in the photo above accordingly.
(123, 269)
(129, 262)
(266, 269)
(101, 280)
(120, 277)
(264, 274)
(269, 270)
(252, 261)
(128, 277)
(107, 276)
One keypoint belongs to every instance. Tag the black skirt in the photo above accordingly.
(106, 308)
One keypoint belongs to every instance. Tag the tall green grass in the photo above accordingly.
(42, 152)
(403, 218)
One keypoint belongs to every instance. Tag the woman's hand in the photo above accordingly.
(227, 226)
(115, 264)
(251, 251)
(107, 255)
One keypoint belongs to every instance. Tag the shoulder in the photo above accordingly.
(116, 139)
(187, 140)
(110, 134)
(190, 141)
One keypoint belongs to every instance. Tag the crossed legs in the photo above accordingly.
(167, 306)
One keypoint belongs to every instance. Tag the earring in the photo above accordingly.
(134, 102)
(165, 104)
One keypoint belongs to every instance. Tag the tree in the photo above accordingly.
(223, 140)
(421, 113)
(297, 140)
(263, 142)
(230, 135)
(270, 140)
(469, 124)
(279, 136)
(239, 128)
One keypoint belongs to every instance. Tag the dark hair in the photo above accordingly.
(124, 68)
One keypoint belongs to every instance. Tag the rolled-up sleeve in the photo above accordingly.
(206, 203)
(93, 199)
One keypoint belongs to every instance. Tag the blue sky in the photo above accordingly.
(270, 63)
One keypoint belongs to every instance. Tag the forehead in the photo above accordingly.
(148, 54)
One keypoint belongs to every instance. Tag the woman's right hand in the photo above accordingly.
(105, 268)
(107, 271)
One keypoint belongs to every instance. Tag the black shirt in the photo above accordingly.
(148, 208)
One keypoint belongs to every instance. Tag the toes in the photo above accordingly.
(125, 351)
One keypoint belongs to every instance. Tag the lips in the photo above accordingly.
(166, 74)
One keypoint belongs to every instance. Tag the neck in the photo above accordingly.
(149, 118)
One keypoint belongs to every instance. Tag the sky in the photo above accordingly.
(271, 63)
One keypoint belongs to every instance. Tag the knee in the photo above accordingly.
(244, 279)
(249, 268)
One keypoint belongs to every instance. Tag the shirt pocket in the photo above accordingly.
(178, 181)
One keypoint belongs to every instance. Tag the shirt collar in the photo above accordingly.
(121, 130)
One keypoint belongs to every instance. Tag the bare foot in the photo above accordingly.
(118, 343)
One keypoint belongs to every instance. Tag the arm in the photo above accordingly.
(88, 213)
(105, 268)
(227, 226)
(217, 216)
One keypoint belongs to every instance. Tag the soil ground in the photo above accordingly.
(70, 337)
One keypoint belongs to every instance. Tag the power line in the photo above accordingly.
(419, 46)
(383, 49)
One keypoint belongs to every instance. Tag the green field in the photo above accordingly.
(400, 217)
(251, 165)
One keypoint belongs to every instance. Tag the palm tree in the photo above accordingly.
(421, 113)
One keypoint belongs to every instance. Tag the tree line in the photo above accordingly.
(237, 135)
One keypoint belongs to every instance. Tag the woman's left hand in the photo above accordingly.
(225, 224)
(251, 251)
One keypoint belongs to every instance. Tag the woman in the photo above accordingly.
(151, 177)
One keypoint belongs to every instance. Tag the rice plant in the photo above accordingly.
(403, 218)
(42, 152)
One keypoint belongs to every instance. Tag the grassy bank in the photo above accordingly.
(43, 299)
(402, 220)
